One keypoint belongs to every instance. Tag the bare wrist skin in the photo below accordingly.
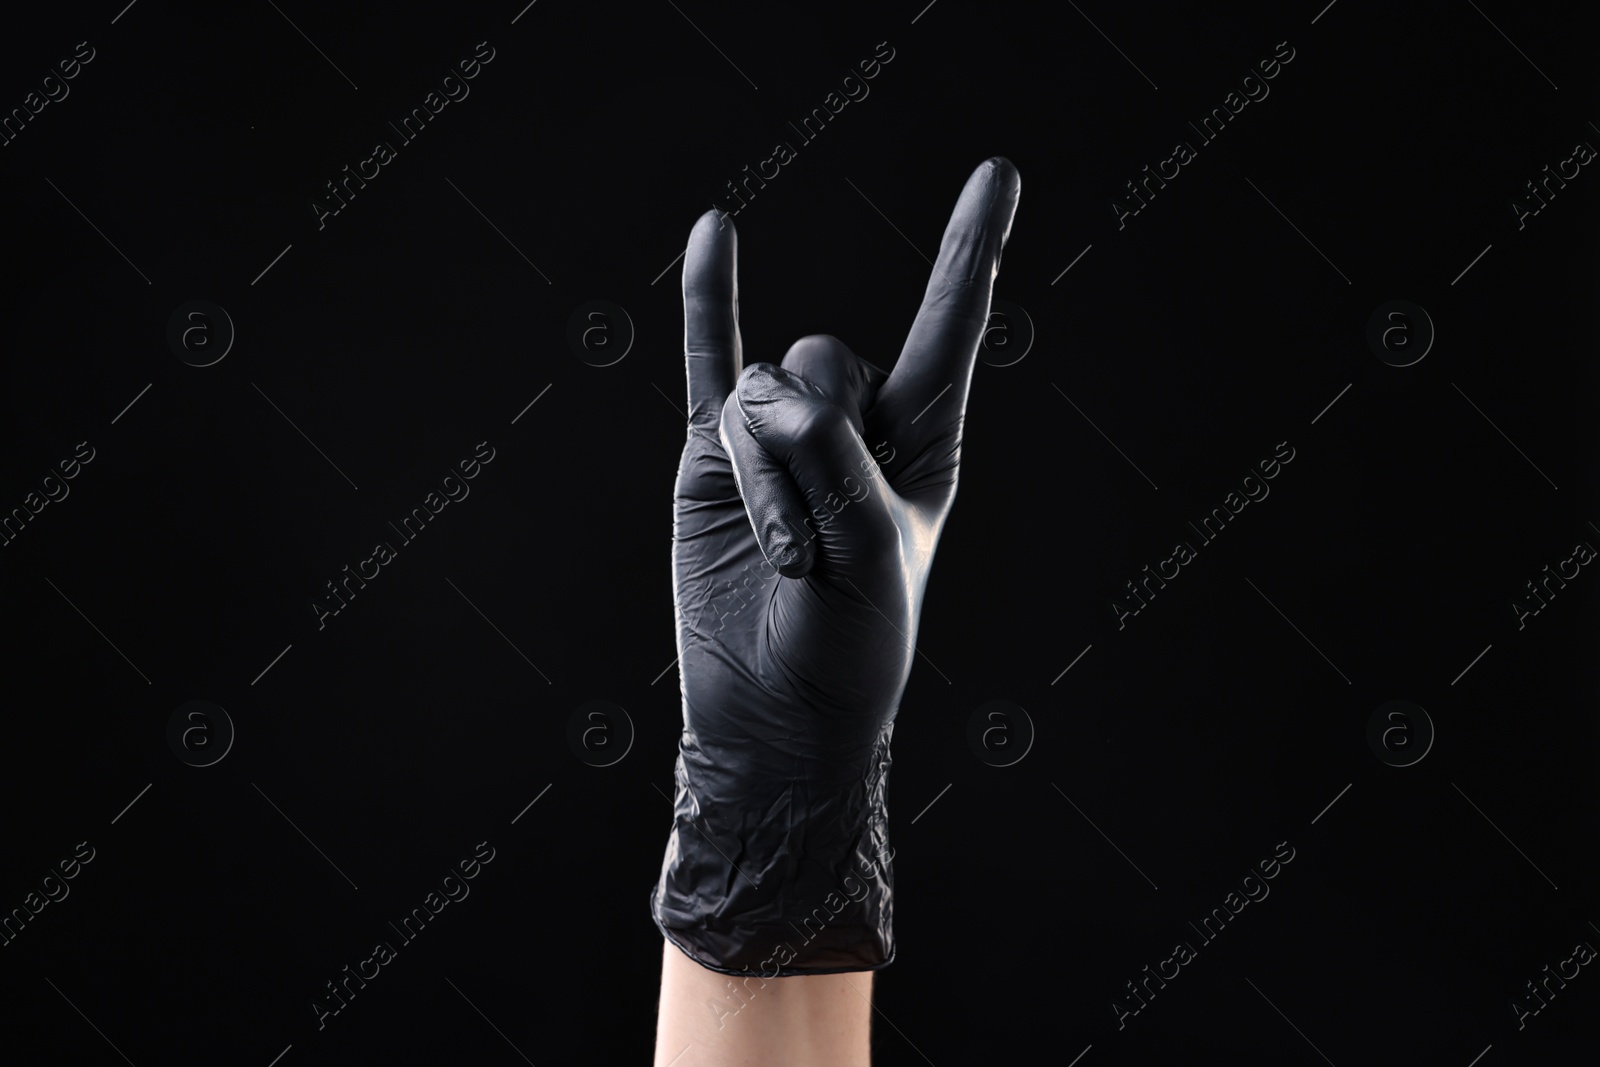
(709, 1019)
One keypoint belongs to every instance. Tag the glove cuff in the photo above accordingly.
(792, 877)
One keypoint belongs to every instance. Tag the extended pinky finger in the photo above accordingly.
(711, 343)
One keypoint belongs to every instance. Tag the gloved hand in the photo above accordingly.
(800, 555)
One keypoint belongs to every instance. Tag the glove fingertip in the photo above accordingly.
(792, 558)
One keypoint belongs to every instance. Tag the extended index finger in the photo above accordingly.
(711, 317)
(936, 362)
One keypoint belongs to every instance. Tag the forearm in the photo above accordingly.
(709, 1019)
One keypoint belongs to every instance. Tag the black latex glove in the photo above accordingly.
(841, 477)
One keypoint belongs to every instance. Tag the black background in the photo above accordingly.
(1212, 727)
